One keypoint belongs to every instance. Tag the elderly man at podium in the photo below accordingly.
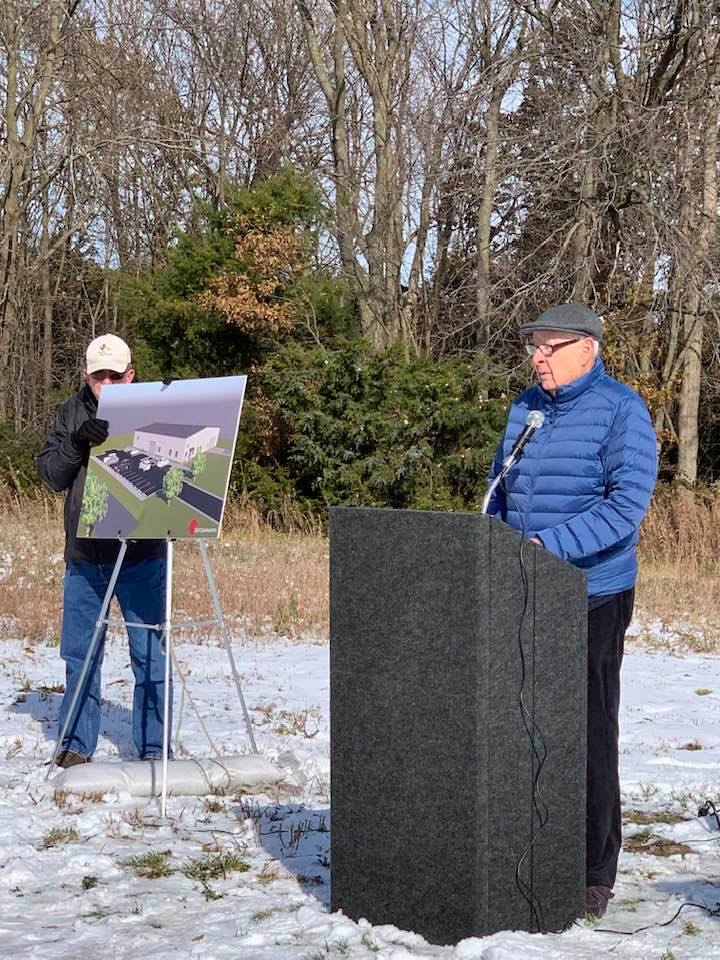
(581, 489)
(140, 588)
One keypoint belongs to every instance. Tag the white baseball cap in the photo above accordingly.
(107, 353)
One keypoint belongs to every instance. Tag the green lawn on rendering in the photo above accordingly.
(155, 517)
(214, 477)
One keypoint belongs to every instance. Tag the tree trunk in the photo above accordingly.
(694, 319)
(47, 301)
(484, 220)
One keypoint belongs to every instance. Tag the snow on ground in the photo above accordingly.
(226, 876)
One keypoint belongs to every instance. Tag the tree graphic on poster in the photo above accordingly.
(94, 503)
(198, 464)
(172, 483)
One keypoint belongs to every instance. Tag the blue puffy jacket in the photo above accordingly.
(585, 480)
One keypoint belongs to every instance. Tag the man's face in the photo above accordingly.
(571, 356)
(97, 380)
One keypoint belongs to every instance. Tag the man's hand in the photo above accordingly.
(90, 433)
(536, 540)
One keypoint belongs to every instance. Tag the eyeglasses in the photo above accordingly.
(112, 375)
(548, 349)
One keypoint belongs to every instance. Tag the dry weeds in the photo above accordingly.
(269, 582)
(645, 841)
(277, 582)
(679, 583)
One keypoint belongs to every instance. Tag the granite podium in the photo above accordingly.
(458, 725)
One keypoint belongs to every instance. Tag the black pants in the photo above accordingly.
(606, 636)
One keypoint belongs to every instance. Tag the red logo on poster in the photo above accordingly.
(192, 527)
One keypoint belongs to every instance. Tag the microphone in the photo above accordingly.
(534, 420)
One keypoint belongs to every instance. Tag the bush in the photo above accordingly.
(18, 470)
(350, 426)
(235, 283)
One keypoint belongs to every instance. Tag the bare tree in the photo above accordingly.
(43, 29)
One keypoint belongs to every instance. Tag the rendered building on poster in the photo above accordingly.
(176, 441)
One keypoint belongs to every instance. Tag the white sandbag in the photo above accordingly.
(192, 778)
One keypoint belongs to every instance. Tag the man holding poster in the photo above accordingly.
(140, 588)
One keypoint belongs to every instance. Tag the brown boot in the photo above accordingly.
(68, 758)
(596, 901)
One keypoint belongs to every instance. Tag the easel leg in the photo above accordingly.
(226, 638)
(167, 638)
(102, 616)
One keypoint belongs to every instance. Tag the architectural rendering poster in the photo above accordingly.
(165, 468)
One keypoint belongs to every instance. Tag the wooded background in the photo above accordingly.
(438, 172)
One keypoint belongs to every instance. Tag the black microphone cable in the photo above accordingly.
(539, 753)
(710, 911)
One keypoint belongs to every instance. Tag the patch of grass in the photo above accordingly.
(642, 836)
(133, 818)
(642, 817)
(214, 806)
(266, 711)
(14, 749)
(703, 691)
(248, 810)
(369, 944)
(690, 929)
(97, 796)
(269, 874)
(89, 882)
(687, 799)
(44, 689)
(57, 836)
(73, 803)
(97, 913)
(214, 867)
(262, 915)
(645, 841)
(211, 848)
(692, 745)
(209, 893)
(152, 865)
(292, 723)
(648, 790)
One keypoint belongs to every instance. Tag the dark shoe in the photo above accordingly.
(596, 901)
(68, 758)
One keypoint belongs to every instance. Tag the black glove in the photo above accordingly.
(90, 433)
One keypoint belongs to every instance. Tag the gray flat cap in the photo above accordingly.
(568, 317)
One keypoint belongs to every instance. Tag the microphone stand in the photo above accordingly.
(534, 421)
(496, 482)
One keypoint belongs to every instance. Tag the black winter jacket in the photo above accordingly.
(63, 467)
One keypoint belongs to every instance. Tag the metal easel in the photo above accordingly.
(167, 627)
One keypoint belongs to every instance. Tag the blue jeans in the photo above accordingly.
(140, 591)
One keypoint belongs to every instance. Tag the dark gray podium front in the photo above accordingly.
(437, 803)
